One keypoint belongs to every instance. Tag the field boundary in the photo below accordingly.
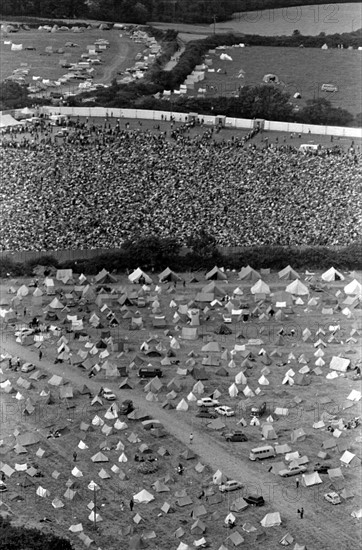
(227, 122)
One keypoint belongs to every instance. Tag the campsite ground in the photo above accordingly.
(324, 525)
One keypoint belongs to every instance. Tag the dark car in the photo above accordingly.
(206, 413)
(235, 436)
(258, 410)
(126, 407)
(150, 372)
(322, 468)
(254, 500)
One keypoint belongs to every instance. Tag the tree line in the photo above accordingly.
(141, 11)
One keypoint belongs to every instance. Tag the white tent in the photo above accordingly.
(260, 288)
(311, 479)
(143, 496)
(271, 520)
(332, 275)
(353, 287)
(137, 274)
(297, 288)
(339, 364)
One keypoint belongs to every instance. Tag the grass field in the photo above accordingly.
(302, 70)
(325, 526)
(119, 56)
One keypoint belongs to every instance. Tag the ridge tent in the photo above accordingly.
(136, 275)
(332, 275)
(297, 288)
(260, 288)
(168, 275)
(353, 287)
(143, 496)
(288, 273)
(216, 273)
(248, 274)
(104, 277)
(271, 520)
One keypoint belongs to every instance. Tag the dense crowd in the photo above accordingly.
(102, 185)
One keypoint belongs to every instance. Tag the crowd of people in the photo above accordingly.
(100, 185)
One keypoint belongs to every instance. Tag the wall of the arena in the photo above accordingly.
(289, 127)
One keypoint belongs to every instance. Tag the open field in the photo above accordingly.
(119, 56)
(324, 526)
(309, 20)
(302, 70)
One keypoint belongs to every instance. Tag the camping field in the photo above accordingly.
(312, 398)
(119, 56)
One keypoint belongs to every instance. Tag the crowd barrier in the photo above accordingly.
(242, 123)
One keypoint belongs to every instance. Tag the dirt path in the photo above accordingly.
(319, 526)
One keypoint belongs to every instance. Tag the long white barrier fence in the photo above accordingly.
(242, 123)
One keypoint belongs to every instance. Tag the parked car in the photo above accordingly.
(108, 394)
(206, 413)
(27, 367)
(235, 436)
(322, 468)
(231, 485)
(126, 407)
(258, 410)
(333, 498)
(150, 372)
(254, 500)
(207, 402)
(224, 410)
(294, 471)
(62, 133)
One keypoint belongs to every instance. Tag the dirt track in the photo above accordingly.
(282, 496)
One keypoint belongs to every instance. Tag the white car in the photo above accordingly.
(225, 411)
(333, 498)
(108, 394)
(27, 367)
(231, 485)
(207, 402)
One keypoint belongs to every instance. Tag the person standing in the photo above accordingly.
(191, 438)
(74, 457)
(131, 504)
(297, 482)
(301, 513)
(40, 354)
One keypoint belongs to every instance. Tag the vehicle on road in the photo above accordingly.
(333, 498)
(235, 436)
(27, 367)
(254, 500)
(294, 471)
(206, 413)
(231, 485)
(207, 402)
(108, 394)
(224, 410)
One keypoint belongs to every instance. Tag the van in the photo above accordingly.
(259, 453)
(148, 372)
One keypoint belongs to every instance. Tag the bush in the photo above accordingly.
(17, 538)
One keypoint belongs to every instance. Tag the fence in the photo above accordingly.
(242, 123)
